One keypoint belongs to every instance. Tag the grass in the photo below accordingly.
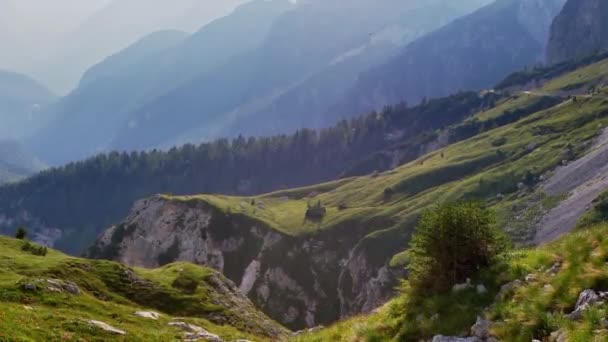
(111, 293)
(582, 78)
(532, 311)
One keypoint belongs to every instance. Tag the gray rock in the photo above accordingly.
(29, 287)
(203, 335)
(531, 278)
(481, 289)
(577, 314)
(587, 297)
(508, 288)
(186, 327)
(71, 288)
(481, 328)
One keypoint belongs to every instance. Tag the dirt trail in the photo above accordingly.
(583, 180)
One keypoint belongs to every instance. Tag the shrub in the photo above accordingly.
(34, 249)
(316, 211)
(451, 243)
(21, 233)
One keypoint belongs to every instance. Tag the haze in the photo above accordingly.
(56, 41)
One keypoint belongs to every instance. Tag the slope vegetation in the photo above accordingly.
(54, 297)
(534, 295)
(354, 229)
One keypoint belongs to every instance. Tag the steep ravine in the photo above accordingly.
(300, 281)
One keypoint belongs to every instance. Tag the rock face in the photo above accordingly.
(580, 29)
(298, 281)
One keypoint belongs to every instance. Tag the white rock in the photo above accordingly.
(481, 289)
(148, 314)
(106, 327)
(462, 287)
(187, 327)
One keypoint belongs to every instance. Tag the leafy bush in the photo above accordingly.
(453, 242)
(34, 249)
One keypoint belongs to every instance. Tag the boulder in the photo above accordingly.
(204, 336)
(186, 327)
(577, 314)
(587, 297)
(481, 289)
(106, 327)
(196, 333)
(531, 278)
(481, 328)
(508, 288)
(71, 288)
(148, 314)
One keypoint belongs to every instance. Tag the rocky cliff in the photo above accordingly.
(580, 29)
(299, 281)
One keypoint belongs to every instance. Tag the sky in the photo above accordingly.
(55, 41)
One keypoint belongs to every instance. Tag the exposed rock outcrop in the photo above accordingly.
(580, 29)
(300, 281)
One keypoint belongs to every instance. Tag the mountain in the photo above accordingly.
(144, 71)
(16, 162)
(579, 30)
(385, 168)
(28, 27)
(473, 52)
(80, 299)
(21, 100)
(285, 72)
(98, 106)
(78, 34)
(309, 256)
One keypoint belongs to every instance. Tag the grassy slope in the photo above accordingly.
(533, 310)
(476, 168)
(110, 296)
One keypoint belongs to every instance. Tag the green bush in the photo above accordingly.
(34, 249)
(451, 243)
(21, 233)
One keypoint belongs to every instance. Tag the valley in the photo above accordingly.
(306, 171)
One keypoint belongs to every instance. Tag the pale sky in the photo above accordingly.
(55, 41)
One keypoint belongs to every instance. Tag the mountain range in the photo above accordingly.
(249, 237)
(78, 34)
(254, 75)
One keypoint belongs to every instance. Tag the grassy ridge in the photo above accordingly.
(112, 293)
(481, 167)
